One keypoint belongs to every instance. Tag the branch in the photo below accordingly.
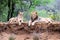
(30, 3)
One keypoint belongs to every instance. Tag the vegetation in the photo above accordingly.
(9, 8)
(35, 38)
(11, 38)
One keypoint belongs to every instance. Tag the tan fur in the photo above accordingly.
(35, 18)
(47, 20)
(13, 20)
(18, 19)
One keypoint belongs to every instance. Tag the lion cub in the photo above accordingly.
(18, 19)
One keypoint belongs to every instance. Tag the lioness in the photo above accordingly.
(18, 19)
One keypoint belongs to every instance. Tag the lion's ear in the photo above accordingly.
(36, 12)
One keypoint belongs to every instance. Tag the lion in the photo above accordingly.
(18, 19)
(35, 18)
(47, 20)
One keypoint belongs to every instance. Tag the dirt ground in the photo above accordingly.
(32, 36)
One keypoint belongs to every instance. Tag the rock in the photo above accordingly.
(24, 26)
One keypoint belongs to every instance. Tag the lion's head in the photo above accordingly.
(20, 14)
(34, 16)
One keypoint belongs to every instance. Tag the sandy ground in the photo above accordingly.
(31, 36)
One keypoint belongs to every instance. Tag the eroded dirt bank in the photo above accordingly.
(40, 31)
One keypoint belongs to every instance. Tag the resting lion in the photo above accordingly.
(35, 18)
(18, 19)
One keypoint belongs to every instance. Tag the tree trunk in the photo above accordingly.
(8, 10)
(11, 9)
